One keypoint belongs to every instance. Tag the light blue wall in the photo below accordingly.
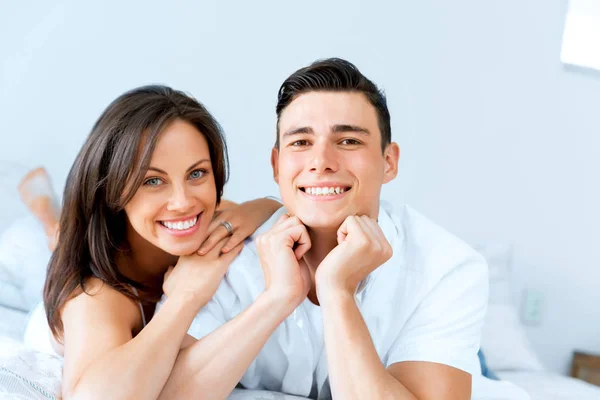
(498, 140)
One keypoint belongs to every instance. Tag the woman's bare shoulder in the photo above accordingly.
(103, 302)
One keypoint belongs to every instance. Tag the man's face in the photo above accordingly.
(329, 164)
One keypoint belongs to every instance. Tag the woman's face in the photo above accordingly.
(176, 202)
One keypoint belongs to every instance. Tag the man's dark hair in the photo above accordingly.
(335, 75)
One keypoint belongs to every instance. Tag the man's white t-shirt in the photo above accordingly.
(427, 303)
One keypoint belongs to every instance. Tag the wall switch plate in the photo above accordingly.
(532, 307)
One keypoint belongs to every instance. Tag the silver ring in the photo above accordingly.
(227, 226)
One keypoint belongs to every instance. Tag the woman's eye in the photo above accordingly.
(153, 182)
(197, 174)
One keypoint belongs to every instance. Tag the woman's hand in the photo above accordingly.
(244, 219)
(198, 277)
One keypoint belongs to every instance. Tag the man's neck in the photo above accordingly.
(322, 242)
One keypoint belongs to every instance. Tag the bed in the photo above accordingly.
(28, 374)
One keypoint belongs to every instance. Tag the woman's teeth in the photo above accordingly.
(324, 191)
(181, 225)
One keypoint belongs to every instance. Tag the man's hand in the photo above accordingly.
(281, 250)
(362, 247)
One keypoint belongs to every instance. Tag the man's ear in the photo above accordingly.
(275, 164)
(391, 155)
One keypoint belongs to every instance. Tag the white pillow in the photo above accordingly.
(504, 342)
(499, 257)
(10, 295)
(24, 257)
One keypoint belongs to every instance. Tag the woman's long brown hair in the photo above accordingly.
(107, 172)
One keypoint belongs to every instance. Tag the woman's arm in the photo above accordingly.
(244, 218)
(103, 361)
(211, 367)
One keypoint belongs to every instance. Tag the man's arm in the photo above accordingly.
(356, 372)
(431, 355)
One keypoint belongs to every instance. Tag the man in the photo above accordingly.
(340, 294)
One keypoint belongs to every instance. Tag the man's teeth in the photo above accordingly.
(324, 191)
(181, 225)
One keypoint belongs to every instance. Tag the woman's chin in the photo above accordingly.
(183, 249)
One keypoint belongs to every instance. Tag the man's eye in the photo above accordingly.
(153, 182)
(300, 143)
(350, 141)
(197, 174)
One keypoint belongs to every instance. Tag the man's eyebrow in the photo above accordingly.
(194, 165)
(350, 128)
(298, 131)
(339, 128)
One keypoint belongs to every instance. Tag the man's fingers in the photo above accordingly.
(280, 220)
(285, 223)
(368, 228)
(375, 230)
(289, 231)
(300, 241)
(342, 231)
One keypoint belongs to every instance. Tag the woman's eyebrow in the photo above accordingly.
(194, 165)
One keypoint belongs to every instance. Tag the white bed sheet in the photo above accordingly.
(546, 386)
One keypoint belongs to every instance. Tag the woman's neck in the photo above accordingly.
(145, 263)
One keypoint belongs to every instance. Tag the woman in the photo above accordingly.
(139, 200)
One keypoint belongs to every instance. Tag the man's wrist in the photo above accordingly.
(329, 292)
(329, 284)
(281, 303)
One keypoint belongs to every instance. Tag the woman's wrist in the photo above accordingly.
(189, 300)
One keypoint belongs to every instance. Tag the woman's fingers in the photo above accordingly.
(231, 254)
(214, 224)
(216, 249)
(213, 238)
(234, 240)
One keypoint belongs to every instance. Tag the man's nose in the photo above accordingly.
(324, 158)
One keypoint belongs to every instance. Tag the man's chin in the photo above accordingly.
(324, 222)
